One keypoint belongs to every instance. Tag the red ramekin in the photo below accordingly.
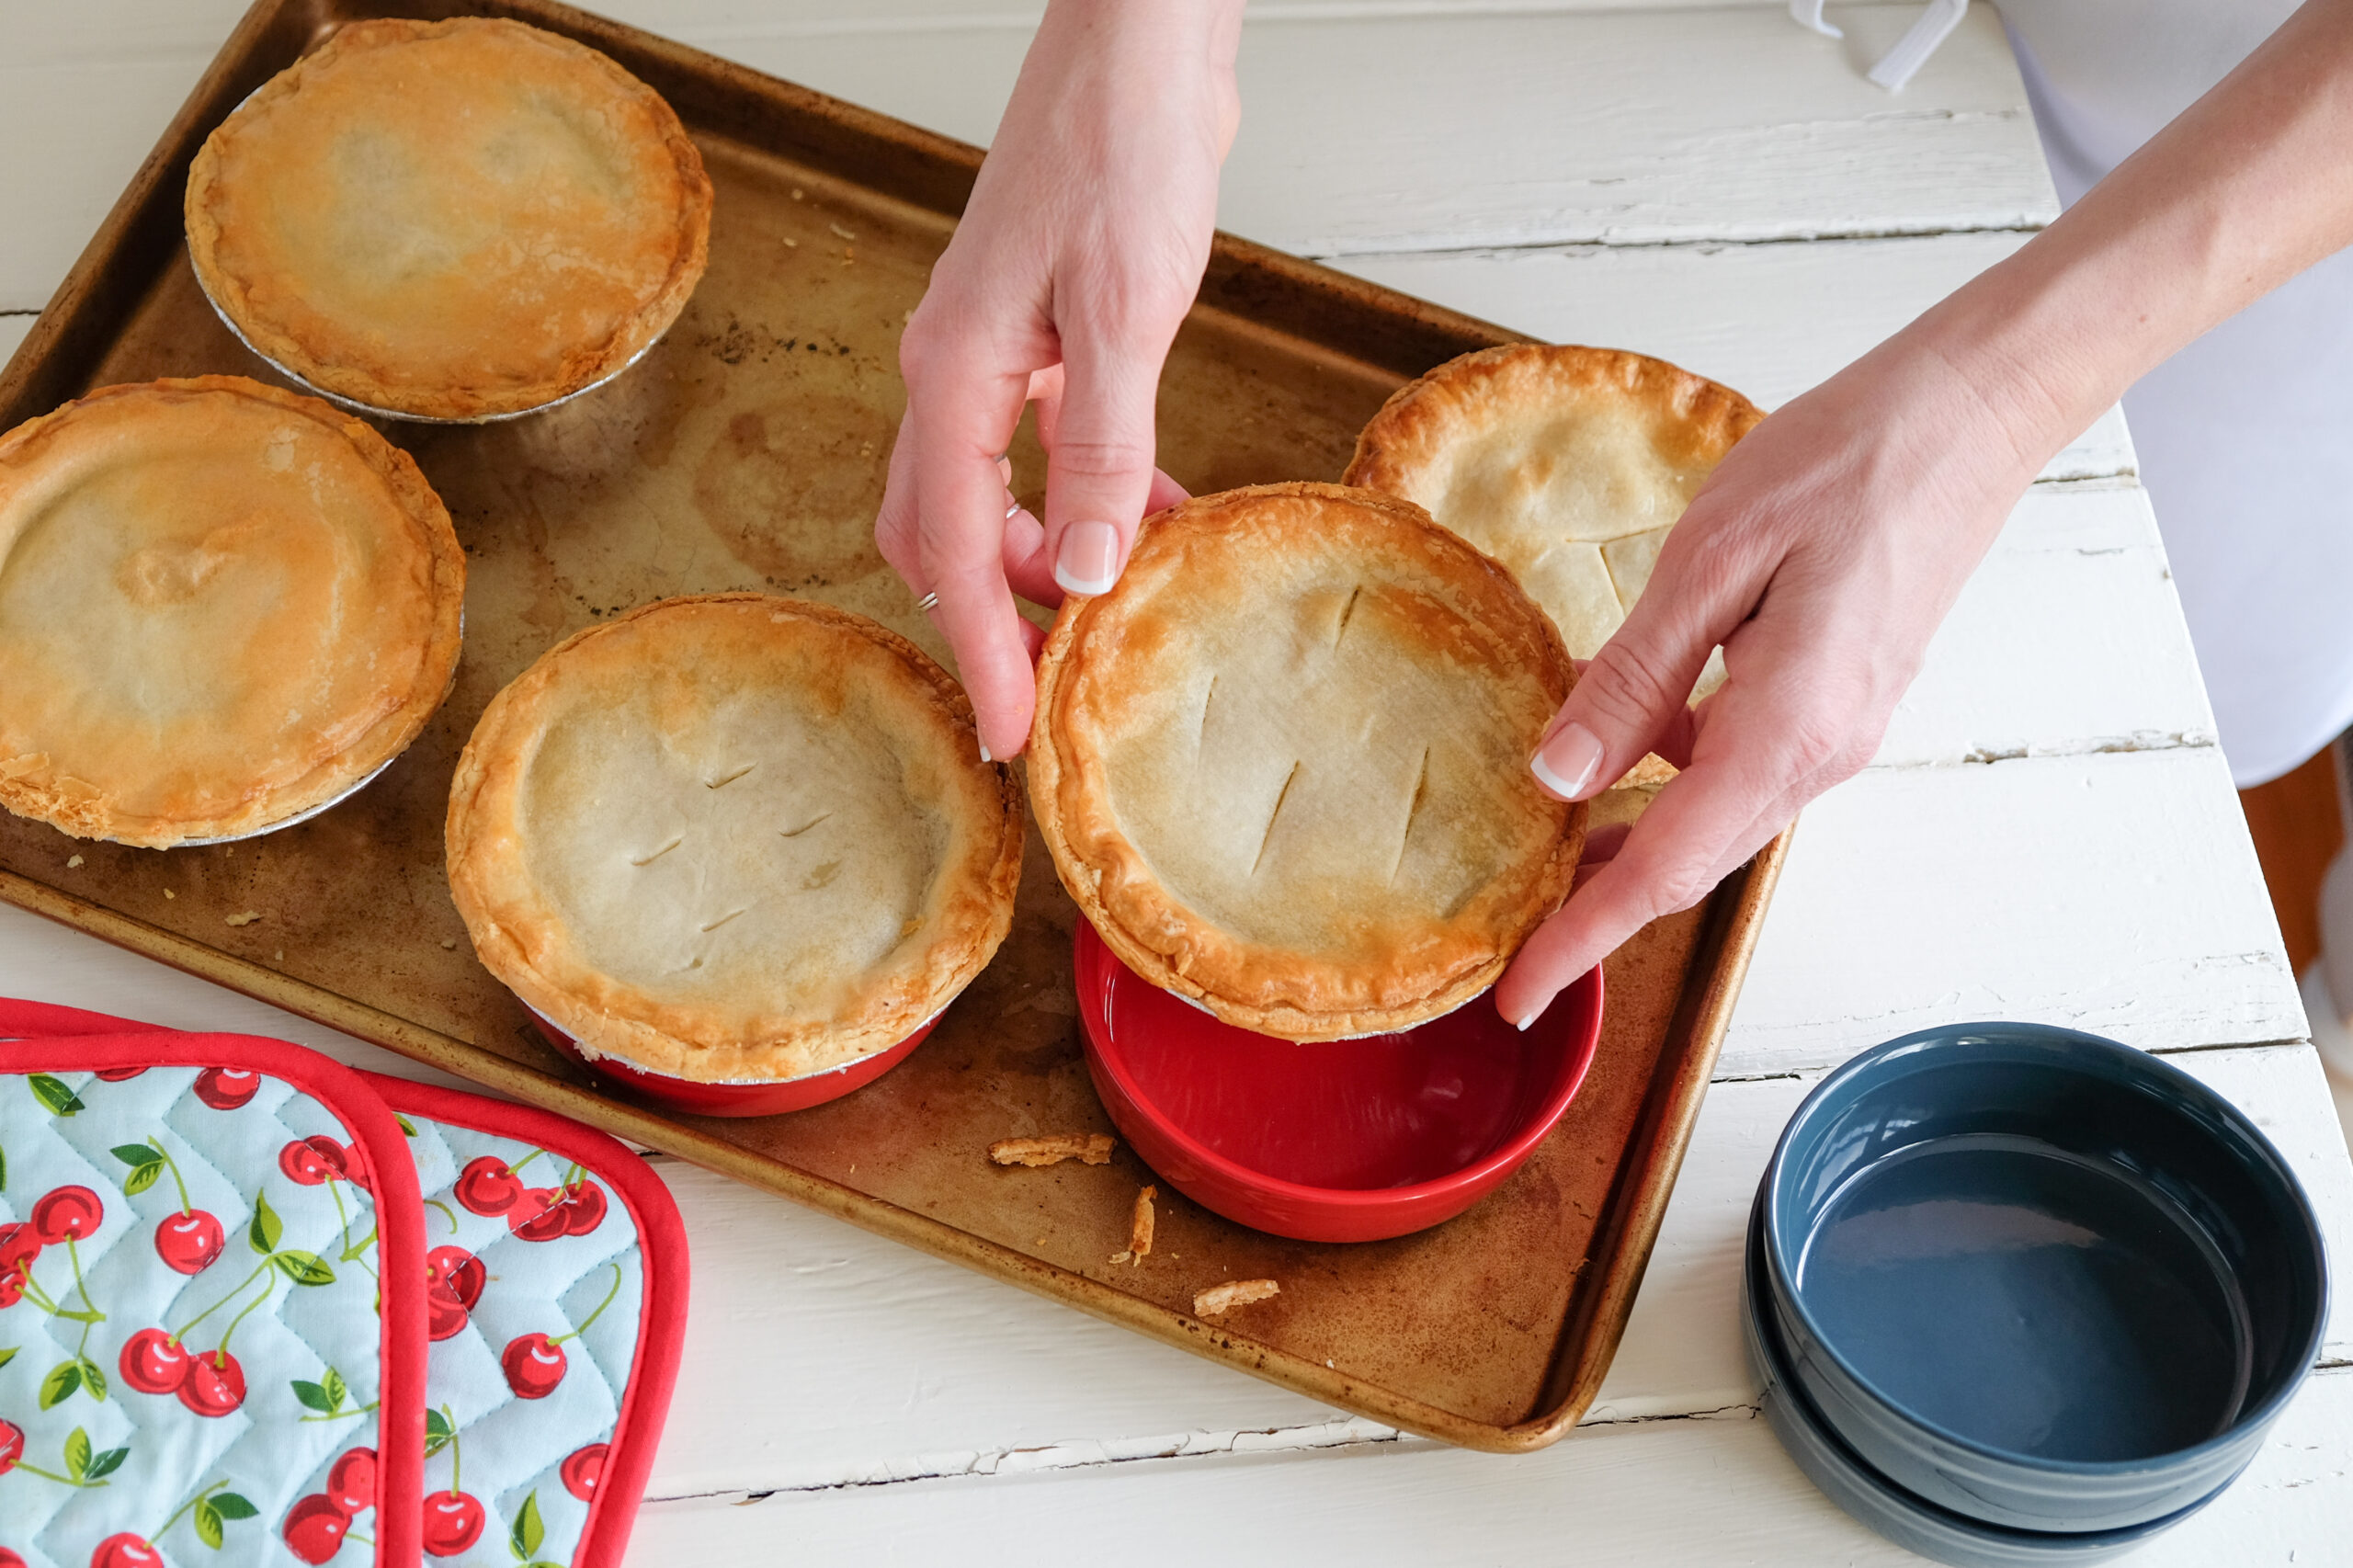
(1342, 1141)
(741, 1097)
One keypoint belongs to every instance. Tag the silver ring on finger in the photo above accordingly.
(928, 603)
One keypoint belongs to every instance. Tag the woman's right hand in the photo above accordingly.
(1079, 254)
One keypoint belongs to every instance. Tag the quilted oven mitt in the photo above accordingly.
(551, 1279)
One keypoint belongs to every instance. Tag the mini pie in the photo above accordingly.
(221, 605)
(450, 219)
(733, 837)
(1567, 464)
(1283, 764)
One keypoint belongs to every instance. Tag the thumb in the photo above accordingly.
(1098, 470)
(1628, 700)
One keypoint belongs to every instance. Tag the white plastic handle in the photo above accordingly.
(1899, 64)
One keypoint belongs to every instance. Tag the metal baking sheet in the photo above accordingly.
(747, 450)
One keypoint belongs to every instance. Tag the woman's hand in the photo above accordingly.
(1822, 555)
(1077, 258)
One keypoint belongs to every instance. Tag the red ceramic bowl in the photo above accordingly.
(1345, 1140)
(765, 1096)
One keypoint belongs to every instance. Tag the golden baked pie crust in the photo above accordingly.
(1380, 874)
(1487, 444)
(221, 604)
(599, 859)
(356, 219)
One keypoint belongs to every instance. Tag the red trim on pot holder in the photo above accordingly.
(78, 1045)
(662, 1316)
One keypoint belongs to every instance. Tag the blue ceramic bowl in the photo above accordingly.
(1909, 1521)
(2038, 1278)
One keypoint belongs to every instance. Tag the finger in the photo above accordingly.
(1706, 821)
(1634, 695)
(964, 415)
(1166, 492)
(894, 524)
(1099, 469)
(1027, 565)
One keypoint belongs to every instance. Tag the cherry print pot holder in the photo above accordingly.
(455, 1341)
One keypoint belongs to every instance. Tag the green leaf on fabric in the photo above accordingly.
(77, 1453)
(4, 1170)
(314, 1396)
(104, 1464)
(9, 1355)
(53, 1094)
(336, 1389)
(527, 1534)
(208, 1524)
(62, 1379)
(408, 1128)
(266, 1227)
(137, 1154)
(436, 1433)
(141, 1177)
(94, 1379)
(304, 1267)
(229, 1505)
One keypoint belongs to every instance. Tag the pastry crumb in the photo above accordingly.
(1221, 1299)
(792, 244)
(1092, 1148)
(1123, 1258)
(73, 861)
(278, 957)
(449, 943)
(798, 193)
(1140, 1225)
(842, 234)
(243, 917)
(169, 894)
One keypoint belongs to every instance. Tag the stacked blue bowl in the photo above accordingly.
(2021, 1295)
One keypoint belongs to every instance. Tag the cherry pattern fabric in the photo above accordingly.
(190, 1269)
(535, 1282)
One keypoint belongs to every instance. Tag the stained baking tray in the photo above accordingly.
(747, 450)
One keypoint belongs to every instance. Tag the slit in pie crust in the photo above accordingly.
(221, 606)
(453, 220)
(1569, 465)
(734, 837)
(1283, 764)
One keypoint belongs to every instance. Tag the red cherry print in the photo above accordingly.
(12, 1446)
(18, 1246)
(301, 1164)
(154, 1362)
(444, 1316)
(189, 1243)
(452, 1522)
(67, 1211)
(10, 1560)
(583, 1208)
(120, 1074)
(332, 1154)
(315, 1527)
(540, 1217)
(457, 1272)
(486, 1187)
(351, 1482)
(126, 1550)
(534, 1365)
(12, 1288)
(581, 1470)
(215, 1384)
(226, 1088)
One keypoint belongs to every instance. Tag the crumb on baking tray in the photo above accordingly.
(1221, 1299)
(243, 917)
(842, 234)
(73, 862)
(1140, 1225)
(1094, 1148)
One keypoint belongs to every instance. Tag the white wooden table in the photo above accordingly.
(2048, 834)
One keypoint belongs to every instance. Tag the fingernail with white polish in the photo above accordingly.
(1525, 1021)
(985, 751)
(1088, 559)
(1566, 764)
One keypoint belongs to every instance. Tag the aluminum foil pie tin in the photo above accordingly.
(330, 803)
(370, 410)
(736, 1097)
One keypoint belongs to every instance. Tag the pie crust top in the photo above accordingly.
(220, 604)
(451, 219)
(734, 837)
(1567, 464)
(1283, 764)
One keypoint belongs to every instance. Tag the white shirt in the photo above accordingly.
(2245, 436)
